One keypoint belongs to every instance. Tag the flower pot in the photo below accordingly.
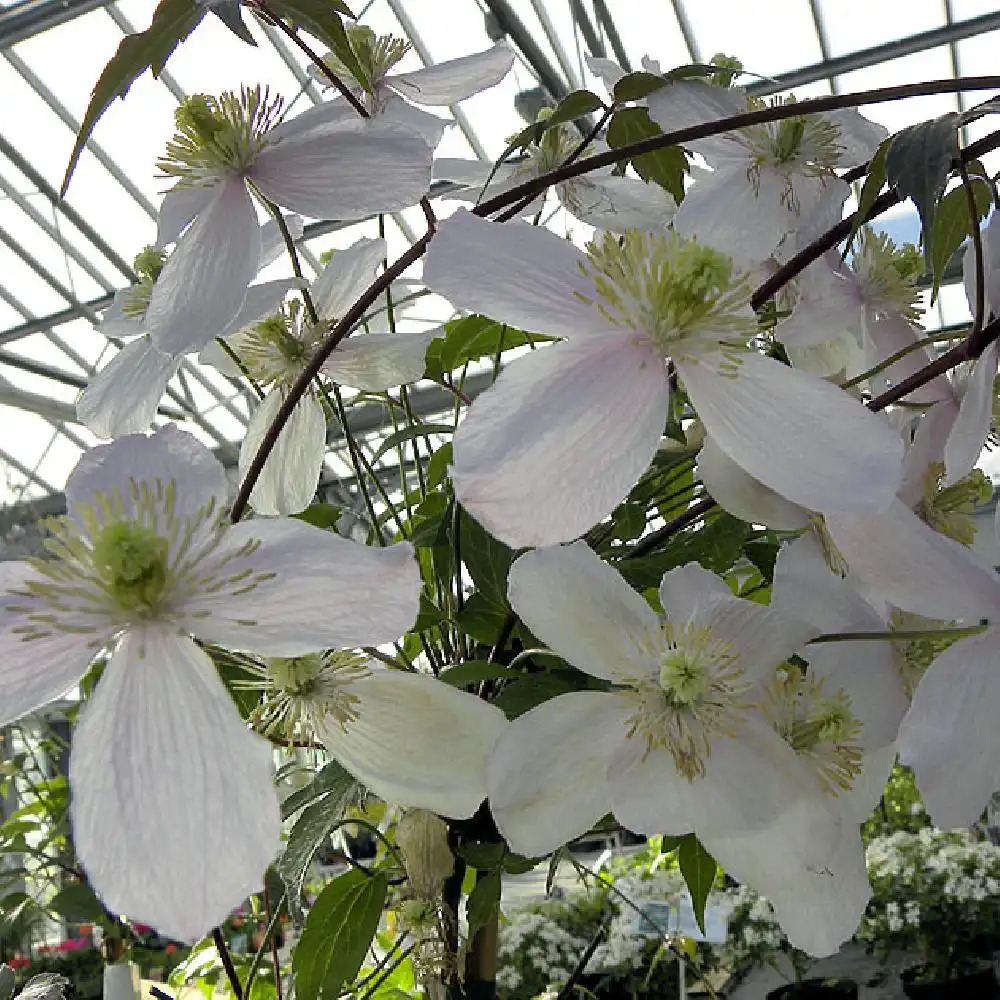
(975, 986)
(816, 989)
(121, 981)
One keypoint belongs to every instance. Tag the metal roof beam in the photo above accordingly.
(31, 17)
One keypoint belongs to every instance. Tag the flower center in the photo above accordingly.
(698, 695)
(888, 274)
(276, 349)
(949, 509)
(802, 144)
(148, 264)
(219, 135)
(375, 55)
(670, 289)
(132, 561)
(815, 724)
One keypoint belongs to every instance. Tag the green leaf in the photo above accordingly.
(320, 515)
(665, 166)
(482, 617)
(405, 434)
(429, 525)
(330, 778)
(874, 179)
(474, 337)
(692, 71)
(437, 467)
(77, 903)
(636, 86)
(173, 21)
(483, 903)
(918, 163)
(473, 672)
(573, 106)
(320, 18)
(311, 829)
(952, 225)
(338, 931)
(487, 560)
(763, 553)
(525, 138)
(428, 616)
(518, 864)
(698, 869)
(531, 690)
(484, 856)
(629, 520)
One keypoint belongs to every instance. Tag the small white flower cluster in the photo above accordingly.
(753, 933)
(534, 941)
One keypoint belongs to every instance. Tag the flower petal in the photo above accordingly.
(115, 322)
(174, 812)
(346, 276)
(287, 483)
(803, 437)
(417, 741)
(169, 455)
(908, 564)
(514, 273)
(204, 281)
(179, 206)
(309, 590)
(261, 300)
(38, 664)
(546, 775)
(747, 498)
(272, 240)
(859, 136)
(975, 414)
(455, 79)
(560, 438)
(950, 735)
(345, 171)
(123, 396)
(689, 590)
(617, 204)
(683, 103)
(583, 609)
(375, 362)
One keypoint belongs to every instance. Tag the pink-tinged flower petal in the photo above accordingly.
(417, 741)
(950, 735)
(476, 173)
(319, 118)
(908, 564)
(456, 79)
(975, 414)
(690, 590)
(345, 172)
(514, 273)
(295, 589)
(38, 664)
(170, 455)
(204, 281)
(683, 103)
(546, 774)
(583, 609)
(174, 812)
(346, 276)
(803, 437)
(123, 396)
(617, 204)
(375, 362)
(926, 448)
(561, 437)
(179, 206)
(287, 483)
(747, 498)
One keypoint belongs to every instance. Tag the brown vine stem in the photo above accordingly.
(542, 183)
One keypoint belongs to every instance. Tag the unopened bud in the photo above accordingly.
(423, 839)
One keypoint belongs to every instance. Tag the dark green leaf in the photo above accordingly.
(874, 180)
(408, 434)
(483, 903)
(230, 13)
(487, 560)
(636, 86)
(665, 166)
(698, 869)
(952, 225)
(311, 830)
(173, 21)
(692, 71)
(320, 515)
(437, 467)
(428, 616)
(482, 617)
(429, 525)
(629, 520)
(330, 778)
(474, 337)
(763, 553)
(77, 903)
(484, 856)
(518, 864)
(473, 672)
(918, 163)
(320, 18)
(524, 694)
(338, 931)
(573, 106)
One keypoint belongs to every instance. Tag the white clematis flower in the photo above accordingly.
(319, 164)
(122, 398)
(410, 738)
(391, 96)
(676, 746)
(173, 807)
(567, 430)
(274, 353)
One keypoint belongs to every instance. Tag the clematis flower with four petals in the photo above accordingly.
(173, 807)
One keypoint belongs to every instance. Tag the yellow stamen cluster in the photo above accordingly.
(888, 273)
(375, 54)
(147, 265)
(804, 144)
(949, 510)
